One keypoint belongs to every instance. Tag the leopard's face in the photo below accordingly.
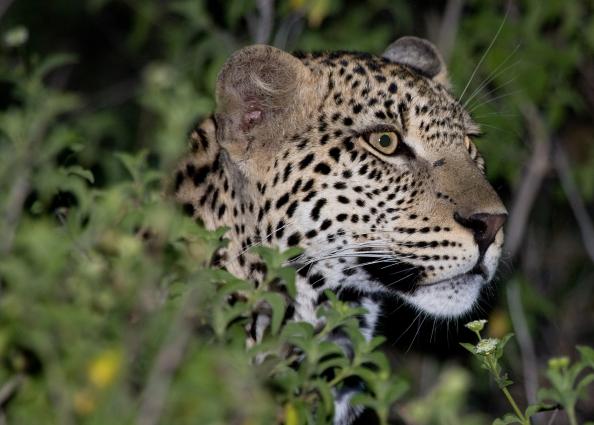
(370, 168)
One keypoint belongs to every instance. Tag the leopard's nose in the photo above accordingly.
(484, 227)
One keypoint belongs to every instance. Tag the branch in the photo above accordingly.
(449, 28)
(289, 30)
(529, 188)
(4, 5)
(265, 20)
(168, 361)
(9, 389)
(563, 168)
(14, 208)
(521, 207)
(527, 352)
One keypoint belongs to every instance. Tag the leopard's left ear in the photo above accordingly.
(262, 94)
(420, 55)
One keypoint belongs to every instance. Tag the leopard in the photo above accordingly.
(366, 162)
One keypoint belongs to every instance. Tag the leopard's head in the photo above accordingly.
(366, 162)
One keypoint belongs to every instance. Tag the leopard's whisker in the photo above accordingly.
(484, 55)
(496, 72)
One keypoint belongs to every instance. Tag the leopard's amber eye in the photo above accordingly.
(384, 142)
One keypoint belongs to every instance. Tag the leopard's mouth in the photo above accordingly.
(448, 298)
(479, 270)
(404, 277)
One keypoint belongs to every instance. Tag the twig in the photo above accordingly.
(113, 95)
(530, 186)
(553, 417)
(265, 20)
(289, 30)
(527, 353)
(168, 360)
(561, 163)
(519, 212)
(4, 5)
(449, 27)
(9, 389)
(14, 208)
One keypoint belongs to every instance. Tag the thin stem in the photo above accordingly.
(571, 414)
(515, 406)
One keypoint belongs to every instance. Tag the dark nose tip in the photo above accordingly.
(484, 227)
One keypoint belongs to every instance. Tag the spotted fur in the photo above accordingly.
(294, 169)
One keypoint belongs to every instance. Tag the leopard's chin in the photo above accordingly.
(448, 298)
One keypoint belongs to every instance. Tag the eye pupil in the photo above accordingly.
(385, 141)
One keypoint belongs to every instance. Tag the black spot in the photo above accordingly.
(292, 208)
(200, 175)
(179, 179)
(294, 239)
(306, 161)
(343, 199)
(190, 170)
(296, 186)
(322, 168)
(310, 196)
(335, 153)
(316, 280)
(392, 88)
(359, 70)
(188, 209)
(222, 209)
(280, 229)
(315, 212)
(287, 172)
(325, 224)
(203, 139)
(282, 200)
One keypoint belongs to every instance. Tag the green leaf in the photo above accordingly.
(507, 419)
(584, 383)
(501, 345)
(277, 304)
(53, 62)
(79, 171)
(533, 409)
(326, 395)
(469, 347)
(587, 355)
(287, 274)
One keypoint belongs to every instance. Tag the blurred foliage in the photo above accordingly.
(106, 303)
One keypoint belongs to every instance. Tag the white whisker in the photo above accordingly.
(484, 55)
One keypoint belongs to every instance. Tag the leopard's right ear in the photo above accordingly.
(260, 91)
(420, 55)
